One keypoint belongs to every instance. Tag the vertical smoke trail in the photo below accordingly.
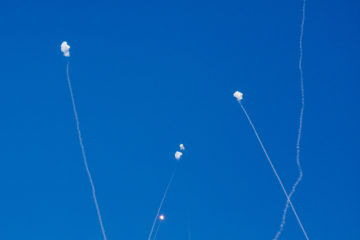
(161, 203)
(83, 153)
(300, 124)
(273, 168)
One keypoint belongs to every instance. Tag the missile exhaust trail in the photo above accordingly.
(274, 170)
(293, 189)
(84, 154)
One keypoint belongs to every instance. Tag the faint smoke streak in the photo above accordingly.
(161, 203)
(157, 230)
(274, 170)
(283, 221)
(83, 153)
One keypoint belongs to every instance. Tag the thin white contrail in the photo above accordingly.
(157, 230)
(273, 168)
(83, 153)
(161, 203)
(300, 124)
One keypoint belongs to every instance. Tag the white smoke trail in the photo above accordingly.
(300, 124)
(273, 168)
(157, 230)
(83, 153)
(161, 203)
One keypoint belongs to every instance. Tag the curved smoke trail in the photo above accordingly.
(274, 170)
(83, 153)
(161, 203)
(300, 124)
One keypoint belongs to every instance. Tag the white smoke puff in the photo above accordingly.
(178, 155)
(182, 148)
(238, 95)
(65, 48)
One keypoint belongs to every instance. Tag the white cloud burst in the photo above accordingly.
(238, 95)
(178, 155)
(65, 48)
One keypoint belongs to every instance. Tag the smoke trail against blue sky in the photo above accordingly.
(147, 75)
(274, 170)
(298, 147)
(83, 151)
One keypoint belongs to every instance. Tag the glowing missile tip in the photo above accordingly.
(162, 217)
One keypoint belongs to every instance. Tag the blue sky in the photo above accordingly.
(148, 76)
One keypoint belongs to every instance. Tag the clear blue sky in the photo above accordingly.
(149, 75)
